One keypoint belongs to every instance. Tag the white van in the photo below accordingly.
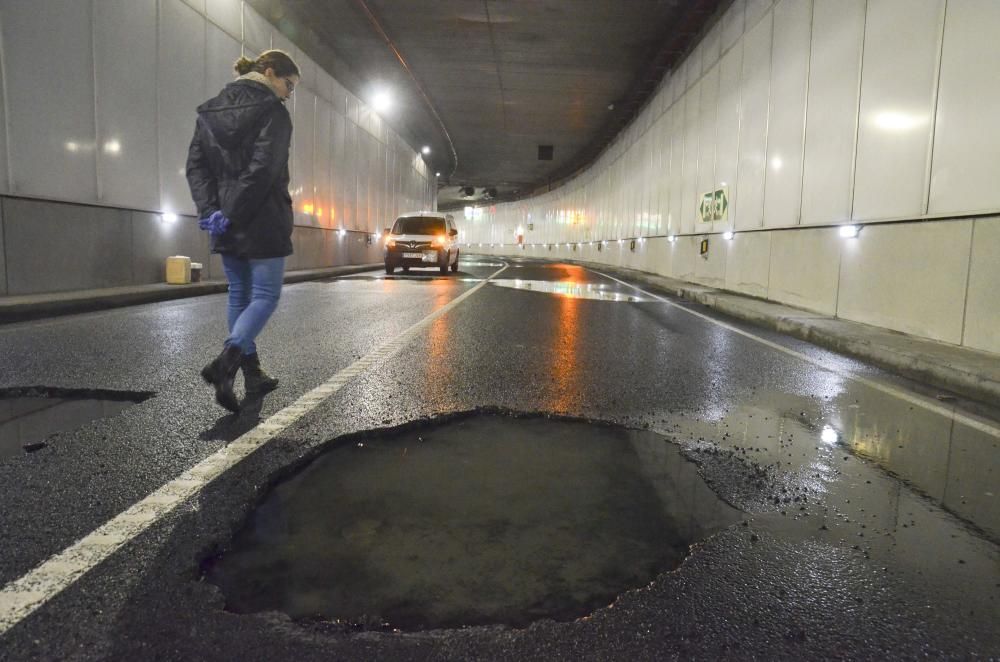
(421, 239)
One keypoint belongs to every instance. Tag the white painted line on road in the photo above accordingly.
(914, 399)
(23, 596)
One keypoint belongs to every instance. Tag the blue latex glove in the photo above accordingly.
(216, 224)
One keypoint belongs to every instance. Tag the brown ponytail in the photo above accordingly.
(243, 66)
(279, 61)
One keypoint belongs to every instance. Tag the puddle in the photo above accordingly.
(483, 520)
(914, 491)
(571, 289)
(26, 421)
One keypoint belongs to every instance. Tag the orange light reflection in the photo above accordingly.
(565, 369)
(439, 360)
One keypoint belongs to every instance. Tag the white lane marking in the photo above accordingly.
(914, 399)
(23, 596)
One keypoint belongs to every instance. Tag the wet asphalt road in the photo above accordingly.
(870, 529)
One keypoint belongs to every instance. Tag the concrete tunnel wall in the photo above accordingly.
(814, 114)
(97, 112)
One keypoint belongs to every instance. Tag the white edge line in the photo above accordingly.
(21, 597)
(914, 399)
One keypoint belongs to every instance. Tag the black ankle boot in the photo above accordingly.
(256, 380)
(220, 373)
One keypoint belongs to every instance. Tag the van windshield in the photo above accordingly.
(418, 225)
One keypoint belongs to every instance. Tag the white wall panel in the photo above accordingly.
(804, 269)
(755, 11)
(902, 41)
(831, 121)
(281, 42)
(690, 199)
(181, 86)
(732, 24)
(226, 14)
(754, 90)
(712, 44)
(338, 168)
(303, 153)
(324, 86)
(322, 174)
(728, 135)
(982, 314)
(676, 169)
(256, 31)
(966, 167)
(748, 263)
(364, 156)
(662, 174)
(920, 270)
(307, 69)
(126, 102)
(708, 121)
(786, 112)
(221, 52)
(710, 268)
(684, 253)
(50, 98)
(693, 62)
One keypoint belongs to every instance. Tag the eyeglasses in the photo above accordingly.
(289, 85)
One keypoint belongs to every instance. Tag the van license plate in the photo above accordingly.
(416, 256)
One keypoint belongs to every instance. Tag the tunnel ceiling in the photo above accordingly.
(485, 83)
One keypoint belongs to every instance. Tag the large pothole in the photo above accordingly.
(478, 520)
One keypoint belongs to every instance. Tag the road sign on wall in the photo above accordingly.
(714, 205)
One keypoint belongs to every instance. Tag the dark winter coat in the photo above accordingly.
(238, 164)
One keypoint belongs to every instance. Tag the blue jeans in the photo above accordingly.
(254, 290)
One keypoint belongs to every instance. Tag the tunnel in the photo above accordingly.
(475, 329)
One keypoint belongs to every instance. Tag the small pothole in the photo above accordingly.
(489, 519)
(28, 416)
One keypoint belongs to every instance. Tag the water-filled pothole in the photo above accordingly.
(30, 415)
(477, 520)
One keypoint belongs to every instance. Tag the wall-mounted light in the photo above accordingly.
(425, 150)
(728, 234)
(672, 238)
(437, 174)
(850, 231)
(381, 101)
(341, 232)
(168, 217)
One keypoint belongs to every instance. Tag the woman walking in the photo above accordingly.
(237, 169)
